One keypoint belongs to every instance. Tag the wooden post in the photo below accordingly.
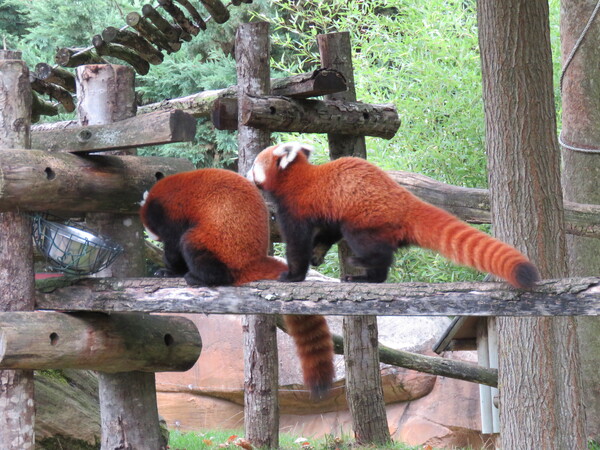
(261, 410)
(128, 408)
(363, 381)
(17, 409)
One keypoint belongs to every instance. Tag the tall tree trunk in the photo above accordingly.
(526, 204)
(17, 408)
(581, 170)
(128, 410)
(261, 377)
(363, 380)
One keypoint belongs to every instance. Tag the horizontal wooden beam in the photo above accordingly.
(161, 127)
(120, 342)
(473, 205)
(276, 113)
(36, 180)
(567, 297)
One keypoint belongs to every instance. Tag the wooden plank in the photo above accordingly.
(161, 127)
(566, 297)
(121, 342)
(35, 180)
(320, 116)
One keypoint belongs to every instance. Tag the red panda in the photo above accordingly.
(351, 198)
(214, 227)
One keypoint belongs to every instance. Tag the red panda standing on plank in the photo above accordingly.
(352, 198)
(214, 226)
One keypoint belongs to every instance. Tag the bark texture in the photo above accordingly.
(127, 400)
(17, 409)
(575, 296)
(526, 204)
(261, 411)
(581, 171)
(364, 392)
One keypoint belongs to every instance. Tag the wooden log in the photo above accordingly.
(161, 127)
(151, 33)
(217, 10)
(56, 92)
(106, 94)
(193, 12)
(311, 84)
(74, 57)
(261, 410)
(17, 405)
(35, 180)
(172, 33)
(55, 75)
(565, 297)
(112, 343)
(135, 42)
(320, 116)
(180, 18)
(121, 52)
(41, 107)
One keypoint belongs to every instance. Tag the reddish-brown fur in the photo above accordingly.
(351, 197)
(214, 225)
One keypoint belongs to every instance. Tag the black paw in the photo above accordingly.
(165, 273)
(286, 276)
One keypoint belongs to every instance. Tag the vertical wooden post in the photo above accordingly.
(17, 409)
(363, 380)
(128, 408)
(261, 410)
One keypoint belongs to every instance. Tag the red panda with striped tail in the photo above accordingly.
(351, 198)
(214, 227)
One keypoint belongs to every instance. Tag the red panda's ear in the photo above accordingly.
(289, 151)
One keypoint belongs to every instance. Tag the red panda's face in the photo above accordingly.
(272, 161)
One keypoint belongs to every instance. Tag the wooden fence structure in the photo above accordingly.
(60, 174)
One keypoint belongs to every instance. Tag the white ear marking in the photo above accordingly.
(144, 197)
(257, 174)
(289, 151)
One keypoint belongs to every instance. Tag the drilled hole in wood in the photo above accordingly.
(53, 338)
(366, 115)
(169, 340)
(84, 136)
(159, 175)
(272, 110)
(50, 174)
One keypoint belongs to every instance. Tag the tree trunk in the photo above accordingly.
(526, 203)
(581, 115)
(364, 393)
(128, 410)
(17, 408)
(261, 378)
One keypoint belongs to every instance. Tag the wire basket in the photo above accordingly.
(72, 248)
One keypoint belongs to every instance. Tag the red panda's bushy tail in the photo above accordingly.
(315, 350)
(440, 231)
(311, 334)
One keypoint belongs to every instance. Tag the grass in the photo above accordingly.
(231, 439)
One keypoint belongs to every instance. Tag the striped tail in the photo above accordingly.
(315, 350)
(440, 231)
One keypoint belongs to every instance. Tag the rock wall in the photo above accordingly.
(422, 409)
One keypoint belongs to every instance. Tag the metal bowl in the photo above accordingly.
(73, 248)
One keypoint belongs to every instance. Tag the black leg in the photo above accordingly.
(371, 253)
(322, 242)
(298, 239)
(204, 268)
(175, 265)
